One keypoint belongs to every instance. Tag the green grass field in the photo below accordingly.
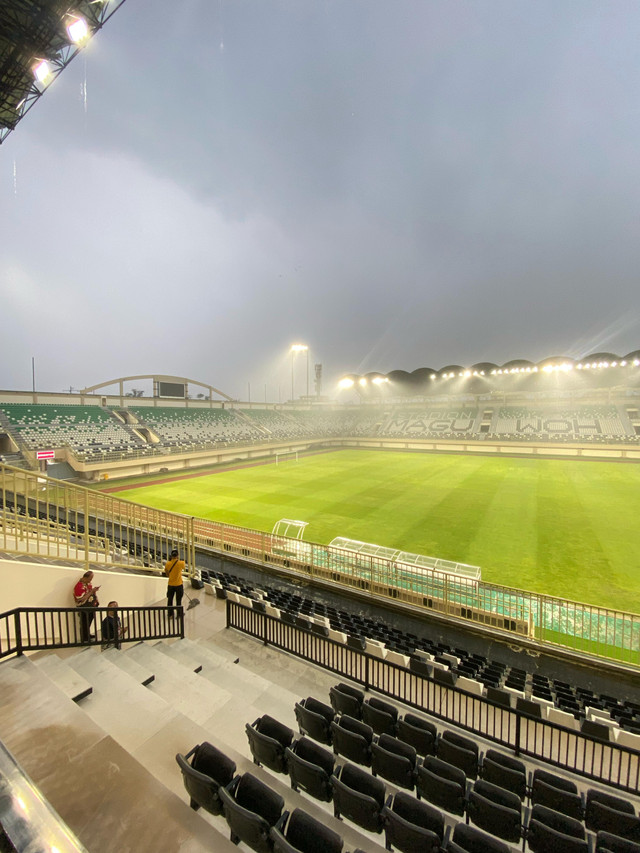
(566, 528)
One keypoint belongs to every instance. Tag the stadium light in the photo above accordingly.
(294, 349)
(346, 383)
(42, 71)
(78, 31)
(362, 381)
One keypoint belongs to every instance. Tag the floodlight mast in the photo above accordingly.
(294, 349)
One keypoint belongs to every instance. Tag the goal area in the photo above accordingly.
(286, 456)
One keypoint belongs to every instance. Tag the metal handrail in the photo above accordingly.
(28, 629)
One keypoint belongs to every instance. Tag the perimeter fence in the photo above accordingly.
(571, 750)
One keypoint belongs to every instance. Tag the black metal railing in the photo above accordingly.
(28, 629)
(571, 750)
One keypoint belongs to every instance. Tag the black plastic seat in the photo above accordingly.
(606, 842)
(419, 733)
(251, 808)
(347, 700)
(596, 730)
(468, 839)
(268, 740)
(452, 750)
(505, 771)
(310, 768)
(358, 796)
(604, 812)
(352, 738)
(314, 719)
(381, 716)
(209, 770)
(394, 760)
(557, 781)
(298, 832)
(549, 831)
(412, 825)
(565, 802)
(441, 784)
(495, 810)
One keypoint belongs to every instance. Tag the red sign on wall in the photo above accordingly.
(45, 454)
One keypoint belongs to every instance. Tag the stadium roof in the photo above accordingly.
(38, 38)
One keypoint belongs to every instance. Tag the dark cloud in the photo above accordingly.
(397, 185)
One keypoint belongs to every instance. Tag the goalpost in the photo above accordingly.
(286, 456)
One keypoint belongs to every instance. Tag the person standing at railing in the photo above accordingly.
(86, 598)
(174, 567)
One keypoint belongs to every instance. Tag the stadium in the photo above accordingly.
(411, 618)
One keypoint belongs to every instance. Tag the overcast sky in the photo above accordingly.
(397, 184)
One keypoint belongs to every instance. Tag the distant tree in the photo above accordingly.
(200, 396)
(135, 392)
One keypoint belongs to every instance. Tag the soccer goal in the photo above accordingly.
(286, 456)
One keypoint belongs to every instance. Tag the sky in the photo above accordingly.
(396, 185)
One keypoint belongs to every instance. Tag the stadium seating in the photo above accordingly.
(209, 770)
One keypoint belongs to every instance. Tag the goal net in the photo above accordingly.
(286, 456)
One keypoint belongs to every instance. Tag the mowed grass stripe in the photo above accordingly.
(558, 527)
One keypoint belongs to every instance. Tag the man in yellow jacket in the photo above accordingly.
(174, 567)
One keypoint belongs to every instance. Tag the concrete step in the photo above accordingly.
(105, 796)
(142, 675)
(188, 693)
(70, 682)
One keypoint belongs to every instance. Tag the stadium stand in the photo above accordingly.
(189, 427)
(87, 430)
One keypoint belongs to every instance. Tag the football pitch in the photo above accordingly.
(559, 527)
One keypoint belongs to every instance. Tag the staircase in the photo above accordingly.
(98, 732)
(19, 459)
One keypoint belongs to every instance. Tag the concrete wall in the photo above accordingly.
(42, 585)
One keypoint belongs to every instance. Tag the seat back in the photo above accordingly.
(352, 744)
(394, 761)
(419, 733)
(498, 774)
(311, 722)
(608, 843)
(358, 796)
(310, 768)
(468, 839)
(558, 821)
(202, 789)
(345, 703)
(251, 809)
(446, 793)
(383, 713)
(542, 838)
(304, 834)
(466, 760)
(499, 820)
(207, 763)
(599, 816)
(265, 748)
(411, 824)
(562, 801)
(557, 781)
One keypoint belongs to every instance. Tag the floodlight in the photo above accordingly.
(42, 71)
(623, 364)
(377, 380)
(345, 383)
(433, 376)
(299, 348)
(78, 30)
(362, 381)
(635, 362)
